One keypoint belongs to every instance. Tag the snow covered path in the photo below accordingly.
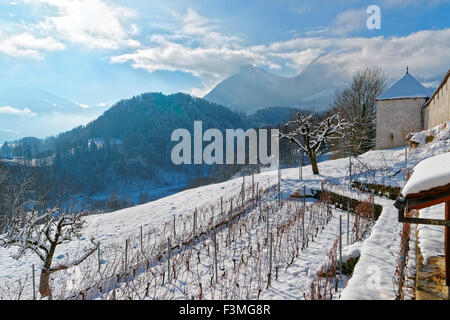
(373, 275)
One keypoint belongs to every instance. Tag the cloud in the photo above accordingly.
(91, 23)
(103, 104)
(345, 23)
(9, 131)
(425, 52)
(192, 45)
(298, 60)
(83, 106)
(409, 3)
(204, 62)
(349, 21)
(17, 112)
(27, 45)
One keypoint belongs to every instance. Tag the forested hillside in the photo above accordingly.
(129, 147)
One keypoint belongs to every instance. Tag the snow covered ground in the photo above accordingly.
(379, 252)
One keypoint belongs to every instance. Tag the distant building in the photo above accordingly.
(100, 142)
(407, 107)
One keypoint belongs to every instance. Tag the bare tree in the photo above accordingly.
(310, 134)
(356, 104)
(41, 234)
(16, 195)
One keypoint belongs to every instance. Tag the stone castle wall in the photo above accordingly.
(395, 119)
(437, 110)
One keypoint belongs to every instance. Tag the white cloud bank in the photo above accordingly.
(17, 112)
(90, 23)
(29, 46)
(193, 46)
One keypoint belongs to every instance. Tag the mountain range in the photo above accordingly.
(254, 88)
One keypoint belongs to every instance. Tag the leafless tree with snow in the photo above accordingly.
(41, 233)
(356, 104)
(310, 134)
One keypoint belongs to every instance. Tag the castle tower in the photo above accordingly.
(399, 111)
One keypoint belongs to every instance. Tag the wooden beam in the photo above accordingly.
(434, 222)
(429, 198)
(444, 190)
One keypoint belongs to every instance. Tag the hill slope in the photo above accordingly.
(380, 249)
(129, 146)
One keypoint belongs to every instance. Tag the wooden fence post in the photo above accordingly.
(322, 194)
(447, 250)
(279, 187)
(142, 241)
(269, 280)
(340, 245)
(301, 167)
(373, 205)
(168, 260)
(194, 231)
(350, 169)
(348, 223)
(230, 214)
(215, 256)
(34, 283)
(174, 228)
(257, 193)
(403, 258)
(253, 185)
(406, 162)
(303, 217)
(98, 257)
(243, 189)
(126, 257)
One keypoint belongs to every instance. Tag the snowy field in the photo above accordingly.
(378, 251)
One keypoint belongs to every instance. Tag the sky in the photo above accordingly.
(96, 52)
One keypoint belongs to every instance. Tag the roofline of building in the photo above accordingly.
(402, 98)
(437, 89)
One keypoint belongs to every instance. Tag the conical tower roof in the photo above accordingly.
(406, 87)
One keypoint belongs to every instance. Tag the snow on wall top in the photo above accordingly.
(406, 87)
(428, 174)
